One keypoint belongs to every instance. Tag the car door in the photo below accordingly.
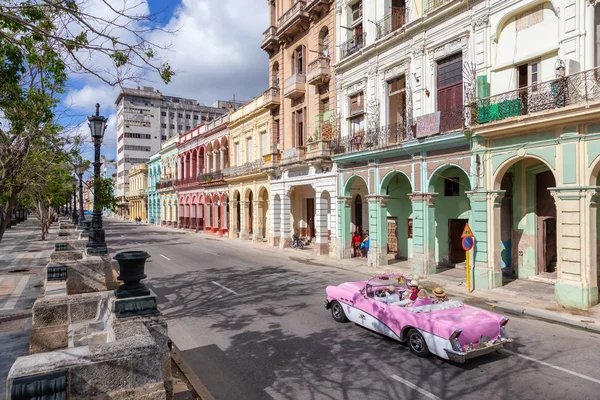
(372, 314)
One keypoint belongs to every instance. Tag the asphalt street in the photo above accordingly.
(249, 320)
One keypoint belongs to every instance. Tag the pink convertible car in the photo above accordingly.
(451, 329)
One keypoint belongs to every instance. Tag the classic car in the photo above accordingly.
(450, 329)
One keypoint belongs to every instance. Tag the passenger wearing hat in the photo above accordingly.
(413, 290)
(440, 295)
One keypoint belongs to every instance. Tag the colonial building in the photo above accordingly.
(166, 187)
(136, 194)
(535, 128)
(250, 141)
(300, 44)
(404, 162)
(154, 206)
(203, 192)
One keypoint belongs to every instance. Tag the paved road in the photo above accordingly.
(250, 322)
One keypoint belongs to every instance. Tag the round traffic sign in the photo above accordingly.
(468, 243)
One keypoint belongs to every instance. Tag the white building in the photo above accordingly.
(145, 119)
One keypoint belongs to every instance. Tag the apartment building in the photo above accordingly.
(145, 119)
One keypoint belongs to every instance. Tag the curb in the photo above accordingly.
(198, 386)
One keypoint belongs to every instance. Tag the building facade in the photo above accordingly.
(203, 192)
(146, 118)
(154, 206)
(166, 187)
(301, 100)
(249, 141)
(136, 195)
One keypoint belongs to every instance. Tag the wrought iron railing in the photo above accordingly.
(353, 45)
(295, 9)
(210, 177)
(164, 185)
(578, 88)
(431, 4)
(393, 21)
(244, 169)
(384, 136)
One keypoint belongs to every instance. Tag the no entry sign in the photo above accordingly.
(468, 243)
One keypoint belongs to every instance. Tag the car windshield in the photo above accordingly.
(396, 282)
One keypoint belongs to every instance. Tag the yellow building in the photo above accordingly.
(249, 192)
(136, 195)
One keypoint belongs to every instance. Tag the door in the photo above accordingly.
(310, 217)
(358, 212)
(450, 93)
(392, 233)
(455, 229)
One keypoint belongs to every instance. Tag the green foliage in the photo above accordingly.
(106, 198)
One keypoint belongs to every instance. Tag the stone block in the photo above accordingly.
(153, 391)
(146, 370)
(83, 311)
(92, 274)
(63, 256)
(101, 378)
(44, 340)
(48, 314)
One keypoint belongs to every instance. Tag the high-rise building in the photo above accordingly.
(145, 119)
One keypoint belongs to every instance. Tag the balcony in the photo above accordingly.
(315, 8)
(392, 22)
(135, 194)
(375, 139)
(271, 160)
(430, 5)
(293, 155)
(184, 182)
(568, 92)
(353, 45)
(295, 86)
(272, 98)
(164, 185)
(270, 40)
(293, 21)
(244, 169)
(319, 71)
(210, 178)
(318, 149)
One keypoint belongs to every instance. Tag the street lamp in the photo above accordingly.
(74, 210)
(83, 224)
(96, 243)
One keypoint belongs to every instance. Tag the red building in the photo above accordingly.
(202, 191)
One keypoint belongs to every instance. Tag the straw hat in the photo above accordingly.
(414, 283)
(438, 292)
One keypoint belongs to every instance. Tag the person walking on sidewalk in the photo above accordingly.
(365, 244)
(356, 239)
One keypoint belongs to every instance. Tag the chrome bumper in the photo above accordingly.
(462, 356)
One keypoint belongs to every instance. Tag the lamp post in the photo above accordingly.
(74, 210)
(96, 243)
(83, 224)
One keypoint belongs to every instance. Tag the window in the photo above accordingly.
(163, 113)
(451, 186)
(187, 116)
(324, 42)
(172, 115)
(138, 135)
(450, 92)
(356, 11)
(195, 117)
(163, 137)
(276, 131)
(237, 153)
(179, 115)
(409, 228)
(171, 126)
(179, 127)
(357, 126)
(298, 126)
(264, 144)
(529, 18)
(298, 59)
(249, 150)
(357, 104)
(164, 126)
(528, 75)
(203, 118)
(275, 78)
(136, 148)
(187, 128)
(397, 100)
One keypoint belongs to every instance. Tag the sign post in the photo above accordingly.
(468, 241)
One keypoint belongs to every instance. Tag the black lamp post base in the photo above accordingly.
(136, 306)
(84, 225)
(96, 251)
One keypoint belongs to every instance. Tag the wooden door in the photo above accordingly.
(450, 93)
(455, 229)
(392, 234)
(310, 217)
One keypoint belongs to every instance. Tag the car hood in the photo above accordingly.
(473, 322)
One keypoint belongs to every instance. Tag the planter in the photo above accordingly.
(131, 272)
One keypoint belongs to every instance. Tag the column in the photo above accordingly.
(344, 249)
(233, 214)
(257, 235)
(321, 240)
(275, 211)
(285, 225)
(245, 210)
(222, 162)
(487, 272)
(183, 168)
(377, 254)
(424, 262)
(590, 37)
(214, 165)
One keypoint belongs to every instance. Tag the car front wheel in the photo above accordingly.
(337, 312)
(416, 344)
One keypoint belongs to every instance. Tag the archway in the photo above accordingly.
(354, 214)
(525, 223)
(250, 213)
(451, 213)
(398, 233)
(263, 205)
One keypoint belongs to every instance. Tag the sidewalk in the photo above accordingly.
(23, 258)
(520, 297)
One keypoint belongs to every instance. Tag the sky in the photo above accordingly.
(215, 52)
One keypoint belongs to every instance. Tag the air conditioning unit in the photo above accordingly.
(572, 67)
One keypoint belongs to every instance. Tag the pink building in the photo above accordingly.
(203, 193)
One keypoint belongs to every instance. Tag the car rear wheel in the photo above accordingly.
(337, 312)
(417, 344)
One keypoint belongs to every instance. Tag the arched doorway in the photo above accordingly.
(451, 213)
(398, 233)
(353, 214)
(527, 234)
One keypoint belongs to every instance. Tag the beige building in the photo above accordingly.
(250, 144)
(300, 43)
(136, 195)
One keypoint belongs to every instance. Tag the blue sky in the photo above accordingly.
(215, 52)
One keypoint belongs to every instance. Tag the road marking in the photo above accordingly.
(14, 297)
(568, 371)
(226, 288)
(165, 257)
(210, 252)
(415, 387)
(137, 243)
